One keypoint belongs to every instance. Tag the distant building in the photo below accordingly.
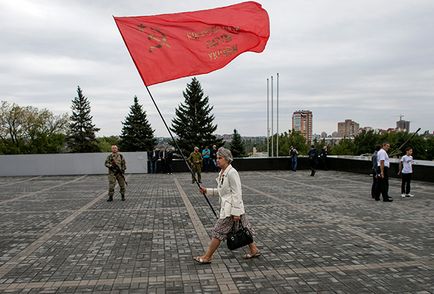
(302, 122)
(348, 128)
(403, 125)
(366, 129)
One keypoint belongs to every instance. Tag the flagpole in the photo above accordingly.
(268, 119)
(180, 151)
(277, 110)
(164, 121)
(272, 119)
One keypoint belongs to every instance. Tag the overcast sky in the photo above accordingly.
(369, 61)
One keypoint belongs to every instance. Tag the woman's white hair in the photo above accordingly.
(226, 154)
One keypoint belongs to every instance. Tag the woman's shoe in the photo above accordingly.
(250, 255)
(201, 260)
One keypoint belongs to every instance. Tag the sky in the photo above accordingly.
(370, 61)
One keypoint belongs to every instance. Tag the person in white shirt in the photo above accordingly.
(383, 165)
(232, 207)
(406, 171)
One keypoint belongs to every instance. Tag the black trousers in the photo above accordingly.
(405, 184)
(312, 163)
(384, 184)
(375, 189)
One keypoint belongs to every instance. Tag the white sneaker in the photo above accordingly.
(403, 195)
(409, 195)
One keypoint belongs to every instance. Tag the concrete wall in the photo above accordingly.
(66, 164)
(93, 163)
(423, 170)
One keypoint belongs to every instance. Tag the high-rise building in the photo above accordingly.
(302, 122)
(403, 125)
(348, 128)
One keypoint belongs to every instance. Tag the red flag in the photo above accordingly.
(170, 46)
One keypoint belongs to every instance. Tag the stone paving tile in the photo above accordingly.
(405, 235)
(6, 194)
(319, 234)
(11, 245)
(30, 223)
(46, 205)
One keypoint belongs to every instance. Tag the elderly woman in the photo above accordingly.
(232, 206)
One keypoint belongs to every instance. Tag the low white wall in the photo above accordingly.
(67, 164)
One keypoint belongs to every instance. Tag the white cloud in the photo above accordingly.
(365, 60)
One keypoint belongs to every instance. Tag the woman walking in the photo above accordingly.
(231, 206)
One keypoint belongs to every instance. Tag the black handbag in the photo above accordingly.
(238, 238)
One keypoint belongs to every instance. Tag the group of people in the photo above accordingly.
(380, 168)
(160, 160)
(315, 158)
(232, 213)
(205, 160)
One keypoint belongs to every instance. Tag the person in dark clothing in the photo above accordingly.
(162, 156)
(153, 158)
(323, 155)
(213, 158)
(375, 189)
(313, 159)
(169, 159)
(293, 153)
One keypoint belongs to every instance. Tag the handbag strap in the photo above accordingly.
(236, 224)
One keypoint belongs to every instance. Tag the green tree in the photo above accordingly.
(286, 140)
(345, 147)
(429, 148)
(81, 137)
(193, 122)
(137, 134)
(260, 143)
(298, 141)
(365, 142)
(237, 145)
(30, 130)
(105, 143)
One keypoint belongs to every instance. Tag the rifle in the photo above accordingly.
(117, 170)
(398, 150)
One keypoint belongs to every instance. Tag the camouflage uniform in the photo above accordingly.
(112, 177)
(195, 160)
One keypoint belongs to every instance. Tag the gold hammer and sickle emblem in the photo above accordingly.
(154, 35)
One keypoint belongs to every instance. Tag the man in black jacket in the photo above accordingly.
(313, 158)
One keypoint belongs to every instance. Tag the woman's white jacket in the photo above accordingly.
(229, 190)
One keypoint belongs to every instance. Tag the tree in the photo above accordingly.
(193, 122)
(30, 130)
(137, 134)
(365, 142)
(345, 147)
(105, 143)
(237, 145)
(81, 137)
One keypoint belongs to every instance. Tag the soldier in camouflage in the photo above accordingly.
(115, 162)
(195, 160)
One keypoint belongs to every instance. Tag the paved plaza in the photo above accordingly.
(321, 234)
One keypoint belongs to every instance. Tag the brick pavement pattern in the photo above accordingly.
(321, 234)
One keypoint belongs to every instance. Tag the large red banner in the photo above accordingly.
(170, 46)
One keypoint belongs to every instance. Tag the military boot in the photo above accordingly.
(110, 199)
(123, 197)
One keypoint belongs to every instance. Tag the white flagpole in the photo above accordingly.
(268, 118)
(277, 98)
(272, 119)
